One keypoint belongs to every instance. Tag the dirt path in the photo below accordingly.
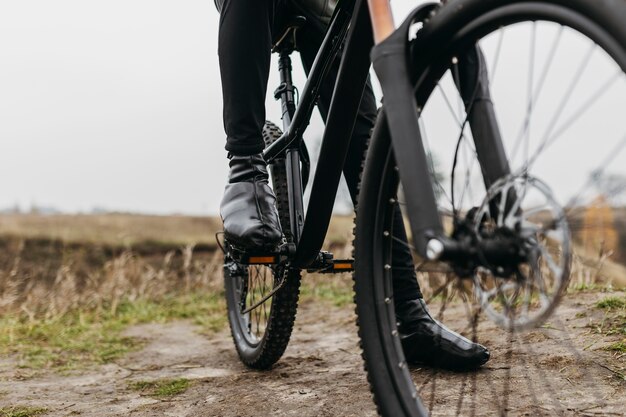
(546, 372)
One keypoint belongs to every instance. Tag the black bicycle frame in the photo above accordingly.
(351, 24)
(351, 28)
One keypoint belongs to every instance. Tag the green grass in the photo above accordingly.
(19, 411)
(161, 388)
(83, 338)
(614, 317)
(612, 303)
(584, 287)
(334, 289)
(617, 347)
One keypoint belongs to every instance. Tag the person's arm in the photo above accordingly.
(382, 19)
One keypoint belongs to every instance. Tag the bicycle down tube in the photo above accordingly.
(309, 231)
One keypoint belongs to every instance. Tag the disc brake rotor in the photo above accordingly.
(524, 295)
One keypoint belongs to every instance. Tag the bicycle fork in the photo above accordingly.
(391, 66)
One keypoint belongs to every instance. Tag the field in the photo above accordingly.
(123, 314)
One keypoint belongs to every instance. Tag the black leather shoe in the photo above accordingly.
(427, 342)
(248, 207)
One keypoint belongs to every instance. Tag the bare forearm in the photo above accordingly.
(382, 19)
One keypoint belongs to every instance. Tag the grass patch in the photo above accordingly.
(18, 411)
(612, 303)
(613, 321)
(161, 388)
(583, 287)
(82, 338)
(334, 289)
(617, 347)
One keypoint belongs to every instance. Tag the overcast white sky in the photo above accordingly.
(114, 104)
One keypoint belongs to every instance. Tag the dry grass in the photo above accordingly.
(596, 269)
(69, 285)
(51, 265)
(65, 305)
(126, 277)
(118, 230)
(133, 231)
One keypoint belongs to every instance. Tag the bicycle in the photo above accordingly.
(496, 234)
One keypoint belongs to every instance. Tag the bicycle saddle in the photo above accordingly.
(295, 14)
(286, 38)
(321, 9)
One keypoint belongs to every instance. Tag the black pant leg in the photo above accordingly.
(244, 48)
(405, 285)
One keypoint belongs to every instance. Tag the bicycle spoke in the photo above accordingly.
(456, 78)
(491, 210)
(264, 291)
(563, 103)
(517, 204)
(403, 242)
(550, 260)
(438, 268)
(526, 214)
(459, 404)
(588, 104)
(449, 105)
(572, 206)
(550, 140)
(258, 290)
(494, 67)
(504, 196)
(527, 347)
(531, 80)
(529, 290)
(566, 340)
(468, 175)
(441, 289)
(534, 96)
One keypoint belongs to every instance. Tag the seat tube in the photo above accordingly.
(286, 91)
(296, 202)
(286, 94)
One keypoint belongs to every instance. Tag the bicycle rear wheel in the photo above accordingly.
(557, 73)
(262, 300)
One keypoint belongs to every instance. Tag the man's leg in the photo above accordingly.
(244, 48)
(245, 40)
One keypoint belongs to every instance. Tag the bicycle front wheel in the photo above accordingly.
(556, 71)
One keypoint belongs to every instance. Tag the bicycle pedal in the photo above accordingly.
(258, 258)
(334, 266)
(247, 257)
(343, 265)
(265, 259)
